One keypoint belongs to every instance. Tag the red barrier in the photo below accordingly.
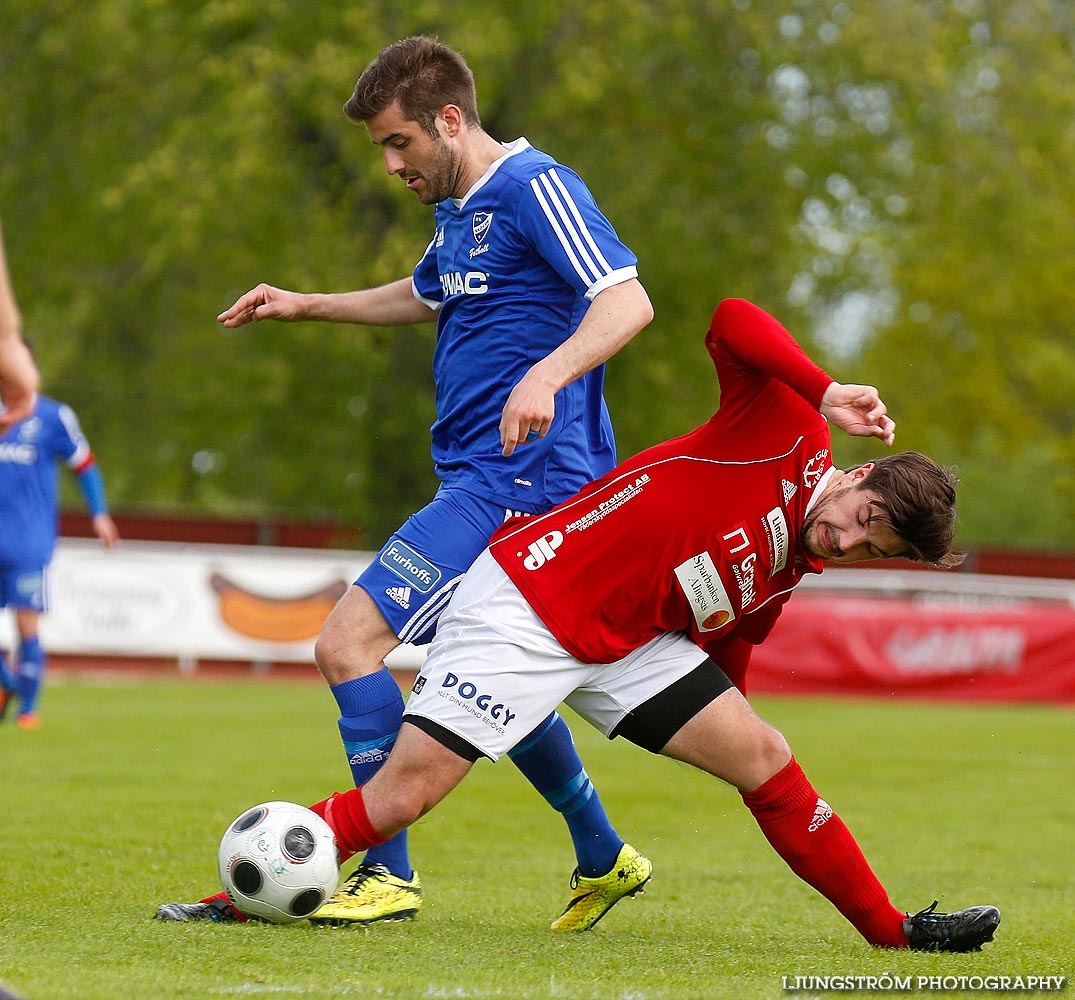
(829, 644)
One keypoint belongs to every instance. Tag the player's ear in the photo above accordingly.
(450, 118)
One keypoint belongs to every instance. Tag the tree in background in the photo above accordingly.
(892, 176)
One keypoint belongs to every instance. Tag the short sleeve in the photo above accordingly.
(562, 222)
(426, 279)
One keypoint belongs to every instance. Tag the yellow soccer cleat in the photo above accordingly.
(592, 898)
(371, 893)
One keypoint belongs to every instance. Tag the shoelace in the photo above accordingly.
(928, 912)
(362, 874)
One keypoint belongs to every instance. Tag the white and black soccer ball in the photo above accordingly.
(279, 861)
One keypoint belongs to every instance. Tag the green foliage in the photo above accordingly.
(118, 802)
(892, 179)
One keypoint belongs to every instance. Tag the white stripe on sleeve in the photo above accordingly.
(578, 218)
(587, 278)
(569, 225)
(74, 432)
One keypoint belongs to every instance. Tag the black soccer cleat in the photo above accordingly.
(964, 930)
(219, 910)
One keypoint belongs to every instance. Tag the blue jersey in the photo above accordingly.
(29, 451)
(512, 269)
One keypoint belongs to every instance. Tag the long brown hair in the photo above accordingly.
(421, 74)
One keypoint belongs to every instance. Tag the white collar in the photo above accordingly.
(510, 149)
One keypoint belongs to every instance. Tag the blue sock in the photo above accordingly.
(550, 762)
(6, 680)
(31, 671)
(371, 710)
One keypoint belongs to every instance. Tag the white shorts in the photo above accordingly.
(494, 671)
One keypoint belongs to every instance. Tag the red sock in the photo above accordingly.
(242, 917)
(345, 813)
(817, 846)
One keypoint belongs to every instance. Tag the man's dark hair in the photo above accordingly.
(422, 75)
(917, 498)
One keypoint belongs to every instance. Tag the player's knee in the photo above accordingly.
(330, 657)
(355, 639)
(770, 755)
(340, 658)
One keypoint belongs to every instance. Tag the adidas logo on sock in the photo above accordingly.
(822, 814)
(790, 489)
(401, 595)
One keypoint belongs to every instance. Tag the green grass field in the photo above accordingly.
(118, 802)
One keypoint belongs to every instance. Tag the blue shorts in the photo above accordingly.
(415, 574)
(23, 588)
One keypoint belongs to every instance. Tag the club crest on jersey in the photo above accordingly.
(480, 224)
(30, 429)
(815, 469)
(705, 592)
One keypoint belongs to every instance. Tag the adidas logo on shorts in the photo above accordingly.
(822, 814)
(401, 595)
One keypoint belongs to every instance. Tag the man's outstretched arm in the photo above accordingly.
(19, 378)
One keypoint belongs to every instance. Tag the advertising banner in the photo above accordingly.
(196, 602)
(853, 632)
(874, 645)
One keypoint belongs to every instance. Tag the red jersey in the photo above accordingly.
(700, 534)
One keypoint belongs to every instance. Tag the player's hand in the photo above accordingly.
(528, 412)
(105, 529)
(19, 381)
(858, 410)
(264, 302)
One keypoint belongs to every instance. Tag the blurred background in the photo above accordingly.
(892, 178)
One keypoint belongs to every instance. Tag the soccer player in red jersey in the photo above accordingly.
(612, 600)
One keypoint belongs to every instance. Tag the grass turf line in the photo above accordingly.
(118, 802)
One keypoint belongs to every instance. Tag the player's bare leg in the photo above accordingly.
(417, 775)
(729, 740)
(354, 640)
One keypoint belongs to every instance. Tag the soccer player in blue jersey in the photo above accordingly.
(532, 291)
(29, 452)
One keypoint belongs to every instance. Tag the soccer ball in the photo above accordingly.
(279, 861)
